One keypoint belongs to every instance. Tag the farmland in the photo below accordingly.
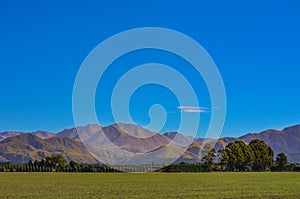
(150, 185)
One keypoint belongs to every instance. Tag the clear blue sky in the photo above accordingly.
(255, 44)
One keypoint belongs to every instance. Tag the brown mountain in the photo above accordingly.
(25, 147)
(126, 136)
(70, 133)
(8, 134)
(124, 143)
(134, 138)
(184, 140)
(40, 134)
(286, 141)
(44, 134)
(20, 147)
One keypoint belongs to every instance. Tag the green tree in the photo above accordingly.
(56, 161)
(209, 160)
(74, 165)
(224, 159)
(247, 154)
(263, 155)
(30, 163)
(205, 149)
(281, 161)
(236, 157)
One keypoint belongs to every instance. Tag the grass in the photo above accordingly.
(150, 185)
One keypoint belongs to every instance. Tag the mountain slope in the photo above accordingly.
(69, 133)
(25, 147)
(44, 134)
(40, 134)
(126, 136)
(121, 137)
(8, 134)
(286, 141)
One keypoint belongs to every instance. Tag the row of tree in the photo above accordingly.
(239, 156)
(54, 164)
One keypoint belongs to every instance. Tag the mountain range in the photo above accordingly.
(20, 147)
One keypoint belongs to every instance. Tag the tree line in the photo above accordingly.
(237, 156)
(54, 164)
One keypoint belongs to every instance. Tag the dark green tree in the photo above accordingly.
(235, 157)
(56, 161)
(281, 161)
(205, 149)
(263, 155)
(247, 154)
(30, 163)
(74, 165)
(223, 160)
(209, 160)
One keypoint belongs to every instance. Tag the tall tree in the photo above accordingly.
(281, 161)
(224, 159)
(248, 155)
(236, 156)
(263, 155)
(74, 165)
(56, 161)
(209, 160)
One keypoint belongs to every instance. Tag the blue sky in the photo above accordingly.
(255, 45)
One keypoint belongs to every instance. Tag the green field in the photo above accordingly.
(150, 185)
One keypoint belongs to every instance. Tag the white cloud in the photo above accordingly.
(193, 109)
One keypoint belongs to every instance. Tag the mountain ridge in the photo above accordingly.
(67, 142)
